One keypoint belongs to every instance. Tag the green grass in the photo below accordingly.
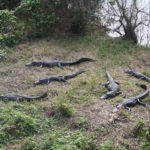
(59, 122)
(109, 146)
(59, 140)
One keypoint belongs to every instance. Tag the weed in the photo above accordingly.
(15, 125)
(79, 123)
(109, 146)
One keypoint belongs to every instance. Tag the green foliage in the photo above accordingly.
(78, 22)
(2, 53)
(37, 21)
(138, 129)
(68, 141)
(145, 145)
(80, 123)
(147, 133)
(9, 4)
(146, 72)
(146, 141)
(10, 31)
(109, 146)
(61, 141)
(15, 125)
(114, 46)
(63, 109)
(29, 144)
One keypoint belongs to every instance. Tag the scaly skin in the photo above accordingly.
(59, 78)
(18, 98)
(57, 63)
(112, 86)
(132, 101)
(138, 75)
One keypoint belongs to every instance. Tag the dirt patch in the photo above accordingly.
(113, 127)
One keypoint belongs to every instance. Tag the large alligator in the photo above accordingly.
(57, 63)
(18, 98)
(132, 101)
(138, 75)
(112, 86)
(59, 78)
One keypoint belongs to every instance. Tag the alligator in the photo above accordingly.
(138, 75)
(18, 98)
(59, 78)
(132, 101)
(57, 63)
(112, 86)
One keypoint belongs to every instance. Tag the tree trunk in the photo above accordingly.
(130, 34)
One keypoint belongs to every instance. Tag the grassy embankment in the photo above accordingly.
(73, 117)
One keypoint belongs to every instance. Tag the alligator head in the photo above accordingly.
(117, 108)
(34, 63)
(130, 72)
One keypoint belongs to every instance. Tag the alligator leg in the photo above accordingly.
(106, 84)
(127, 108)
(123, 95)
(60, 66)
(18, 100)
(48, 83)
(141, 103)
(105, 91)
(63, 79)
(117, 82)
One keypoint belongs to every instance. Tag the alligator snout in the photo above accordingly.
(115, 110)
(28, 64)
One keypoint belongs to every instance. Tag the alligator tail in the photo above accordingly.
(143, 86)
(75, 74)
(43, 95)
(82, 60)
(81, 71)
(141, 96)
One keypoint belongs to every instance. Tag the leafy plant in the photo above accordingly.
(10, 31)
(37, 21)
(8, 4)
(15, 125)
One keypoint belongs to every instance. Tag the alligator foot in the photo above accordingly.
(141, 103)
(60, 66)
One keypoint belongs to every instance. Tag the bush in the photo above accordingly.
(9, 4)
(10, 31)
(109, 146)
(78, 22)
(37, 21)
(15, 125)
(146, 135)
(69, 141)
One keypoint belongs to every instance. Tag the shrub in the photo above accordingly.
(37, 21)
(146, 135)
(109, 146)
(78, 22)
(10, 31)
(69, 141)
(15, 125)
(9, 4)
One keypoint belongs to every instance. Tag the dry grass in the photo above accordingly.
(85, 89)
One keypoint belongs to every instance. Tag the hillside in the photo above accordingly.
(73, 117)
